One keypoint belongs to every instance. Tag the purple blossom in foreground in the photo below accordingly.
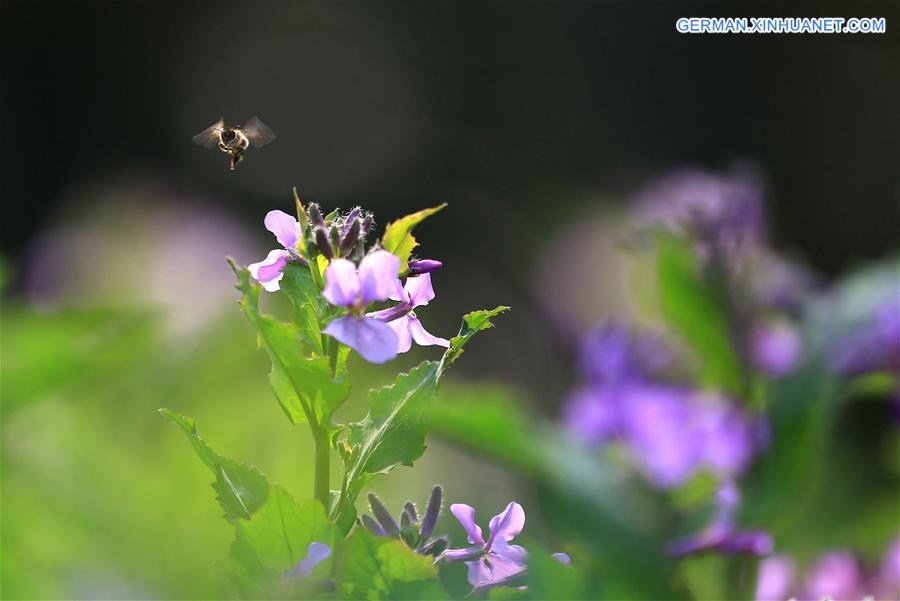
(774, 578)
(670, 431)
(873, 347)
(494, 562)
(491, 562)
(836, 574)
(270, 270)
(354, 288)
(776, 348)
(402, 319)
(316, 553)
(720, 535)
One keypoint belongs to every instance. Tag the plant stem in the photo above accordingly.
(321, 487)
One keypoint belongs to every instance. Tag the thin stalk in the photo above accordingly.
(321, 485)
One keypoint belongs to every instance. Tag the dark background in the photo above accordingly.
(521, 115)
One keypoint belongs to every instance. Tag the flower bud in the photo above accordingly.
(351, 235)
(420, 266)
(352, 216)
(315, 215)
(322, 243)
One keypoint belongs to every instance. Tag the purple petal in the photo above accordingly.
(507, 525)
(466, 516)
(562, 558)
(479, 572)
(401, 328)
(315, 554)
(341, 283)
(379, 276)
(773, 582)
(374, 340)
(419, 290)
(270, 270)
(285, 228)
(776, 348)
(836, 575)
(422, 337)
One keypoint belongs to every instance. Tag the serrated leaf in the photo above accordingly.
(241, 489)
(307, 304)
(304, 386)
(393, 433)
(697, 310)
(374, 568)
(398, 238)
(281, 530)
(473, 322)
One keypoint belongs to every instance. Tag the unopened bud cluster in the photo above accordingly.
(336, 235)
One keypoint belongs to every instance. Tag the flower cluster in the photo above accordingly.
(353, 280)
(671, 431)
(836, 574)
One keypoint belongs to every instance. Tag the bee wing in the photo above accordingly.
(209, 137)
(257, 132)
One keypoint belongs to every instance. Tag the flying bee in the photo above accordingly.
(235, 141)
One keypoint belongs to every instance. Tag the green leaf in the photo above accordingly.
(374, 568)
(307, 304)
(304, 386)
(281, 530)
(272, 542)
(241, 489)
(473, 322)
(697, 310)
(393, 433)
(398, 238)
(549, 579)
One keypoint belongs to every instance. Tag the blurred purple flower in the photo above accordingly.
(835, 574)
(887, 581)
(774, 578)
(611, 354)
(875, 346)
(316, 553)
(721, 534)
(776, 348)
(491, 562)
(270, 270)
(402, 319)
(423, 266)
(721, 213)
(354, 288)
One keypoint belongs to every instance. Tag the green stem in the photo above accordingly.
(321, 486)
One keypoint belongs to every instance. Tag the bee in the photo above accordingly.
(235, 141)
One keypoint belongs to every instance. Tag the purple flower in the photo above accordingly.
(611, 354)
(354, 288)
(270, 270)
(875, 346)
(835, 574)
(721, 213)
(402, 319)
(776, 348)
(721, 534)
(775, 578)
(423, 266)
(316, 553)
(491, 562)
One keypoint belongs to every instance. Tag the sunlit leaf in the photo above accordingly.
(696, 308)
(374, 568)
(398, 238)
(305, 386)
(240, 489)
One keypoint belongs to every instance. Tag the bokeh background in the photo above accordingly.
(536, 122)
